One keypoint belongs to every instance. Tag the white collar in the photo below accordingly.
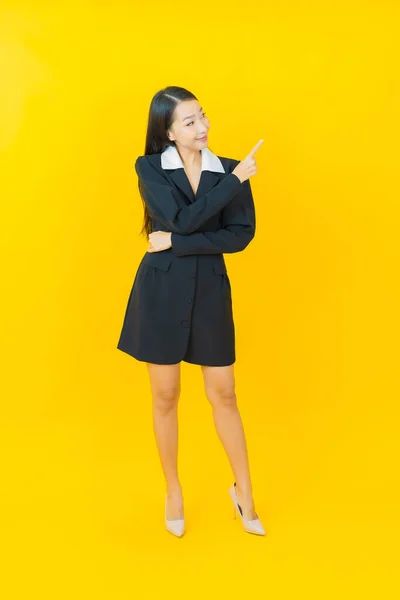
(170, 159)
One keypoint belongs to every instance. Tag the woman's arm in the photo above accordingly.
(162, 202)
(238, 229)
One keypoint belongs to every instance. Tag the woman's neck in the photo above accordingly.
(190, 158)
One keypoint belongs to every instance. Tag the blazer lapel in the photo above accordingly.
(212, 171)
(180, 179)
(208, 180)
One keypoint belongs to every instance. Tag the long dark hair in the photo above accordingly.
(160, 119)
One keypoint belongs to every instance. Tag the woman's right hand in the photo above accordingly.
(247, 167)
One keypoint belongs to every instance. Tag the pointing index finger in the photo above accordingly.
(255, 148)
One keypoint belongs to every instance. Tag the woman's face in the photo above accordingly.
(189, 125)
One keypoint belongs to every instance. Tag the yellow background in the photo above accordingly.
(315, 296)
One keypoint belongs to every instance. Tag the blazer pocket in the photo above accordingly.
(157, 260)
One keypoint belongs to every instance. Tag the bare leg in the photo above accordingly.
(165, 387)
(219, 384)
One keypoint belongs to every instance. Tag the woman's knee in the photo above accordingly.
(166, 399)
(219, 384)
(222, 397)
(165, 385)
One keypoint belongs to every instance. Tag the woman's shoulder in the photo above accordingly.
(228, 163)
(148, 166)
(139, 162)
(145, 157)
(148, 159)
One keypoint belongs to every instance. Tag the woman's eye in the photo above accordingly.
(190, 122)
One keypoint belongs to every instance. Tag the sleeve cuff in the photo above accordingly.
(236, 177)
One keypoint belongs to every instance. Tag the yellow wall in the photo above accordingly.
(315, 298)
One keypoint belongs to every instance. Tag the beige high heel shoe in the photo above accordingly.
(250, 525)
(174, 526)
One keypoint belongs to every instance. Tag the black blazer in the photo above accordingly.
(180, 305)
(197, 224)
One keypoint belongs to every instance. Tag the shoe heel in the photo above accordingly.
(175, 526)
(250, 526)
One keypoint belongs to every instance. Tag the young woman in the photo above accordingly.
(197, 206)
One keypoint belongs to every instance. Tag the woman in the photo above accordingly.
(197, 206)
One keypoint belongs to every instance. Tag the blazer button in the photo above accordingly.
(185, 323)
(189, 299)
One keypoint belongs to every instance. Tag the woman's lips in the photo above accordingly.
(203, 139)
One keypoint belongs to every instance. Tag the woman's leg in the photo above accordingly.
(219, 383)
(165, 384)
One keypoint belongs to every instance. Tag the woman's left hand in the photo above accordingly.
(159, 240)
